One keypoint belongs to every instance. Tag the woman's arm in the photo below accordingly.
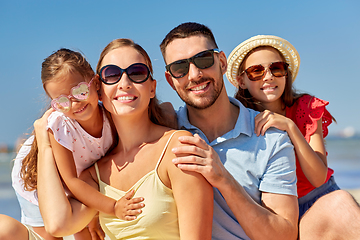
(311, 156)
(61, 216)
(193, 196)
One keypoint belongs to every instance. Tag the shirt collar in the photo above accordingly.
(244, 123)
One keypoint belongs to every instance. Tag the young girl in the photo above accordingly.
(178, 204)
(80, 135)
(263, 69)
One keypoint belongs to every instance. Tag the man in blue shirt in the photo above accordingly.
(253, 177)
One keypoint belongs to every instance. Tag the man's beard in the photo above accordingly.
(211, 99)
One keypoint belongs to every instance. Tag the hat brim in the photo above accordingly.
(239, 53)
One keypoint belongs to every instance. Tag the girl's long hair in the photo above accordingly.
(288, 97)
(63, 61)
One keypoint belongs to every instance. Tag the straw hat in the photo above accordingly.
(238, 54)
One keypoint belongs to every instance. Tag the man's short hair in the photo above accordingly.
(185, 30)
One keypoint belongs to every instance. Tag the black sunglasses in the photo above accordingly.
(137, 73)
(201, 60)
(257, 72)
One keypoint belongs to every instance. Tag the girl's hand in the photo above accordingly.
(40, 128)
(127, 208)
(267, 119)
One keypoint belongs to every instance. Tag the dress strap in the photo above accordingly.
(97, 171)
(164, 150)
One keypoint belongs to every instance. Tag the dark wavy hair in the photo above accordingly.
(185, 30)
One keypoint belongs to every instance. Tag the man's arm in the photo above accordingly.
(275, 218)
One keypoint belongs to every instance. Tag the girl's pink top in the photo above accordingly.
(305, 113)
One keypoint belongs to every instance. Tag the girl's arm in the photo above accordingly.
(124, 208)
(61, 216)
(311, 156)
(81, 190)
(193, 196)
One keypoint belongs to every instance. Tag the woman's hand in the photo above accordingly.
(41, 132)
(95, 229)
(267, 119)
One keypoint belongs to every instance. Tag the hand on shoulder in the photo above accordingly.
(40, 128)
(267, 119)
(195, 155)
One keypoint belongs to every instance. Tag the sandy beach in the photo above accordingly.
(355, 193)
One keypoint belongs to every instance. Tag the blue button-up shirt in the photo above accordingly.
(260, 164)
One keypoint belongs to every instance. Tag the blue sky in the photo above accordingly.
(326, 34)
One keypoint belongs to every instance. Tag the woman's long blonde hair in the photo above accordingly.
(156, 113)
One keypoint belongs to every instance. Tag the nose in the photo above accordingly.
(125, 82)
(194, 72)
(74, 102)
(267, 75)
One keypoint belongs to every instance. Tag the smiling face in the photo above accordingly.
(268, 91)
(125, 96)
(200, 88)
(62, 85)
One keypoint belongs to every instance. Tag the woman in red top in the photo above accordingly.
(263, 69)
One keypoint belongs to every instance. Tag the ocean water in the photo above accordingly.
(343, 157)
(8, 202)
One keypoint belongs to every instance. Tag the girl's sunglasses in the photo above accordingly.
(257, 72)
(80, 92)
(137, 73)
(202, 60)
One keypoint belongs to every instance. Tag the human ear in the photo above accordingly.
(241, 82)
(98, 86)
(223, 62)
(169, 79)
(97, 82)
(153, 88)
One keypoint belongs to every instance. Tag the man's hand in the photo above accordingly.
(203, 159)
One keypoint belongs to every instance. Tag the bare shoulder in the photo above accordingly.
(172, 137)
(175, 134)
(166, 167)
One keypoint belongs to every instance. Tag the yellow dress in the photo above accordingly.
(159, 219)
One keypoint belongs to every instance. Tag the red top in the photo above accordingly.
(305, 113)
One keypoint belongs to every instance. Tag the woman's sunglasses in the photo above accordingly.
(202, 60)
(137, 73)
(80, 92)
(257, 72)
